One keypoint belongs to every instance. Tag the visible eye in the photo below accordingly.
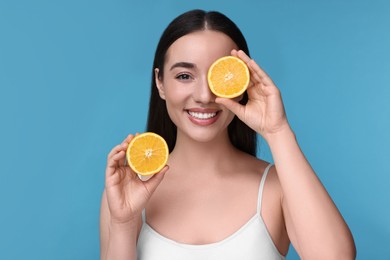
(184, 76)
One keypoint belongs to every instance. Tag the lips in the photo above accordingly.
(203, 117)
(200, 115)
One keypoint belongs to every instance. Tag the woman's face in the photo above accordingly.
(184, 87)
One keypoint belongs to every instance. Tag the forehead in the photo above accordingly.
(201, 48)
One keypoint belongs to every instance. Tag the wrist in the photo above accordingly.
(123, 227)
(122, 240)
(281, 134)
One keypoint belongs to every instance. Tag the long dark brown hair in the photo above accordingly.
(241, 136)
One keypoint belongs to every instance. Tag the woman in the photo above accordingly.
(217, 200)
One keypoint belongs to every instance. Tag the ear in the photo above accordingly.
(159, 83)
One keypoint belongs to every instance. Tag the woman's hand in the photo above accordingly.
(127, 195)
(264, 111)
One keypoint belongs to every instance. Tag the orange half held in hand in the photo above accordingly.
(147, 154)
(228, 77)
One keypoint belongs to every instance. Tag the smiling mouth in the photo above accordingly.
(202, 116)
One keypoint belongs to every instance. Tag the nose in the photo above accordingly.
(202, 93)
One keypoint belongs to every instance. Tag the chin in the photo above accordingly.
(205, 134)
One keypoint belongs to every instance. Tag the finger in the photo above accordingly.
(116, 159)
(121, 148)
(260, 73)
(116, 175)
(244, 57)
(232, 105)
(254, 68)
(153, 182)
(116, 149)
(255, 78)
(113, 163)
(128, 138)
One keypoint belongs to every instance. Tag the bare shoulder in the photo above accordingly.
(273, 181)
(257, 167)
(252, 165)
(250, 170)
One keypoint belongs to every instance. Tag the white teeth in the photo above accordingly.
(202, 115)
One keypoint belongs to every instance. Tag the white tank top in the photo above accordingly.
(251, 241)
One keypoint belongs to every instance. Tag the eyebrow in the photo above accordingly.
(183, 64)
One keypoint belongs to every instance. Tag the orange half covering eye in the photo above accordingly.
(228, 77)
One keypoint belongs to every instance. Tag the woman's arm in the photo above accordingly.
(124, 198)
(117, 240)
(315, 226)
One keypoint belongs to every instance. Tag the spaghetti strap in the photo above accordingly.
(261, 187)
(143, 216)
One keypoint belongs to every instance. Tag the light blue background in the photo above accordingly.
(74, 81)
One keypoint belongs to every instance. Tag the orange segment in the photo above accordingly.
(147, 153)
(228, 77)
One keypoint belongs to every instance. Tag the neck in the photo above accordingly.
(203, 157)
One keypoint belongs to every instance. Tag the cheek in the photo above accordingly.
(177, 93)
(230, 117)
(176, 99)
